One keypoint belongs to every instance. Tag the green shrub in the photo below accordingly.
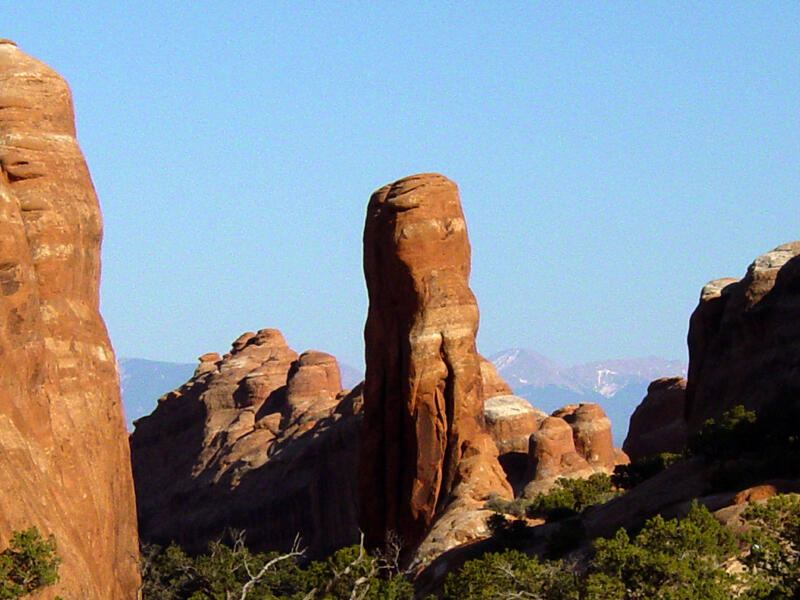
(510, 574)
(774, 543)
(515, 507)
(747, 447)
(736, 432)
(670, 559)
(629, 476)
(571, 496)
(225, 570)
(29, 563)
(667, 560)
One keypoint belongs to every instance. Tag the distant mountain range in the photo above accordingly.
(144, 381)
(618, 385)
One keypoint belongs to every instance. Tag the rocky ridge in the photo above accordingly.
(257, 432)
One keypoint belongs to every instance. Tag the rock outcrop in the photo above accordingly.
(511, 420)
(64, 462)
(493, 384)
(260, 439)
(426, 463)
(575, 441)
(659, 424)
(744, 338)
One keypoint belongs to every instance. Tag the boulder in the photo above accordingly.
(659, 424)
(510, 421)
(552, 455)
(64, 461)
(425, 458)
(576, 442)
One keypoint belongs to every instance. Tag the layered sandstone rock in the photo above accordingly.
(260, 439)
(658, 424)
(64, 463)
(575, 441)
(510, 421)
(426, 463)
(744, 338)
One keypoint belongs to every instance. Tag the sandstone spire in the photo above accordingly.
(423, 449)
(64, 462)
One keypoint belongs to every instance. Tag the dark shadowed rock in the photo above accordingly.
(260, 439)
(744, 338)
(658, 424)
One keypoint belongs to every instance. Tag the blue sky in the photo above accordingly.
(612, 157)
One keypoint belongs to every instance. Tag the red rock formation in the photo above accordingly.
(260, 439)
(553, 455)
(493, 384)
(510, 421)
(658, 424)
(744, 338)
(574, 442)
(424, 452)
(64, 463)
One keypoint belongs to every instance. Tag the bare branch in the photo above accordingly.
(254, 579)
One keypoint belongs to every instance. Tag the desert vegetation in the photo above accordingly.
(28, 564)
(694, 558)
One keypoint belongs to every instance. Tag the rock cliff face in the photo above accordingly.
(64, 463)
(260, 439)
(426, 461)
(744, 338)
(659, 424)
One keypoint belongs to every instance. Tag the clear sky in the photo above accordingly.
(612, 157)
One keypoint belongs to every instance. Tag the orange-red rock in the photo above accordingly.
(493, 384)
(260, 439)
(425, 460)
(744, 338)
(659, 423)
(64, 462)
(511, 420)
(552, 455)
(575, 441)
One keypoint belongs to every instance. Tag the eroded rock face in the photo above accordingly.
(259, 439)
(744, 338)
(575, 441)
(425, 458)
(658, 424)
(64, 462)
